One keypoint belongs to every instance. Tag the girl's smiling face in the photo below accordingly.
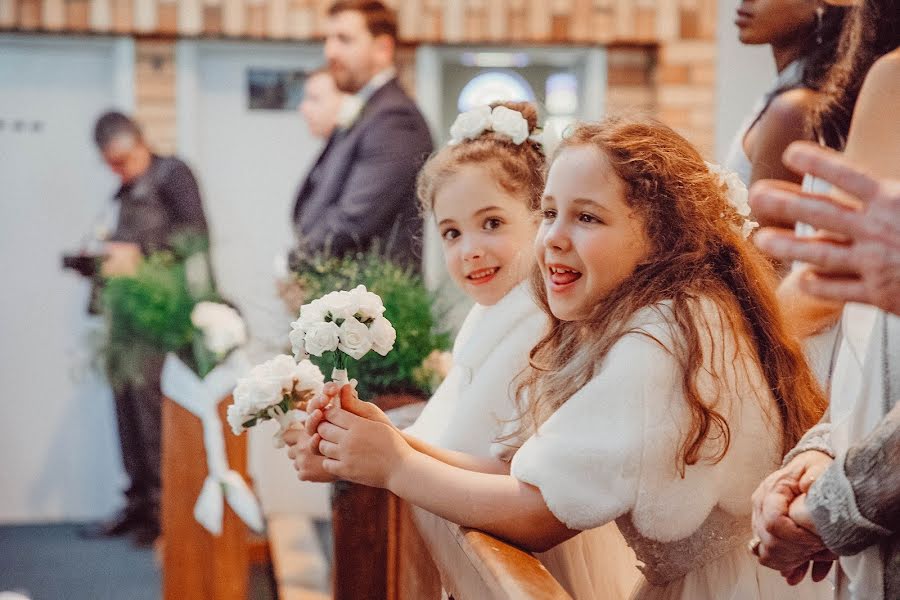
(589, 239)
(487, 234)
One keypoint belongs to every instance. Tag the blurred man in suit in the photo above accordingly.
(159, 197)
(361, 190)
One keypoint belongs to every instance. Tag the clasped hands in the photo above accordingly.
(787, 536)
(345, 438)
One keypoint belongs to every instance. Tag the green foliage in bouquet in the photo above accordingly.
(409, 306)
(149, 314)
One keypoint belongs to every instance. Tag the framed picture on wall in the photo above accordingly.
(274, 89)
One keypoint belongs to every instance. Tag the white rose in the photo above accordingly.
(204, 314)
(510, 123)
(322, 337)
(370, 304)
(383, 336)
(222, 327)
(298, 341)
(236, 419)
(469, 125)
(738, 196)
(253, 394)
(309, 378)
(341, 305)
(311, 313)
(748, 227)
(355, 339)
(282, 368)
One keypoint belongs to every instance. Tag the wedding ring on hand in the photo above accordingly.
(753, 546)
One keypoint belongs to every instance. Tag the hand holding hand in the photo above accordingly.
(304, 452)
(357, 448)
(784, 545)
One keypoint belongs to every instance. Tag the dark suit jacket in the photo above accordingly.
(362, 188)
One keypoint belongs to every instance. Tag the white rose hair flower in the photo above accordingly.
(470, 124)
(737, 195)
(505, 121)
(510, 123)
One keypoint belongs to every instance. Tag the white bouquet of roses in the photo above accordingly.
(273, 390)
(350, 324)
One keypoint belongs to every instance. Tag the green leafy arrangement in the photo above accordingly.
(409, 306)
(149, 314)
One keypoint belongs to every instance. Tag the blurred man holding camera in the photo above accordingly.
(158, 198)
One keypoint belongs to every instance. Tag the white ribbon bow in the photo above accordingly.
(201, 397)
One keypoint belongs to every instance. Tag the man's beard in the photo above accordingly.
(345, 80)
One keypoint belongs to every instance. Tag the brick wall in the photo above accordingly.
(662, 52)
(155, 93)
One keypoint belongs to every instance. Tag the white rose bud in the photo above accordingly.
(342, 305)
(282, 368)
(370, 305)
(263, 393)
(383, 336)
(355, 339)
(236, 419)
(309, 378)
(322, 337)
(469, 125)
(511, 123)
(310, 314)
(298, 341)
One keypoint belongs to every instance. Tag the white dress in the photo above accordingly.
(475, 404)
(609, 454)
(856, 407)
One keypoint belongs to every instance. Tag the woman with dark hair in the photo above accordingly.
(873, 32)
(865, 47)
(803, 35)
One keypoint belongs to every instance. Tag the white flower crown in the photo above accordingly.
(505, 121)
(737, 195)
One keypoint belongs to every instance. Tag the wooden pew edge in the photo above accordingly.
(509, 573)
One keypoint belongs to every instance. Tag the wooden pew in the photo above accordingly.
(197, 564)
(388, 549)
(473, 564)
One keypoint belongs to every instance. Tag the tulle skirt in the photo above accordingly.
(596, 564)
(734, 576)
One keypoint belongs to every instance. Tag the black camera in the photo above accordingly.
(87, 265)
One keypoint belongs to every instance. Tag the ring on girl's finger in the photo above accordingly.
(753, 546)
